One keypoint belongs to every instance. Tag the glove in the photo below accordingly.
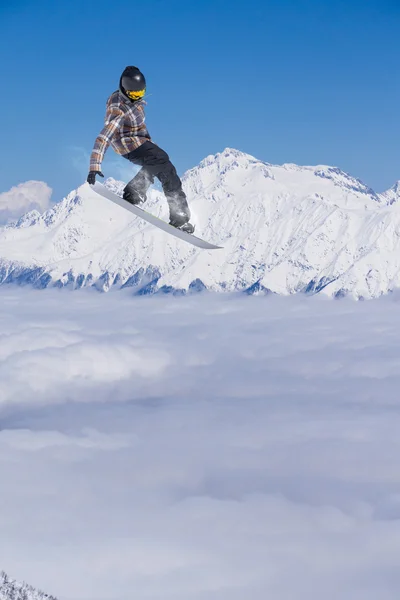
(91, 178)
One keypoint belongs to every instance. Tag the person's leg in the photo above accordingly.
(156, 163)
(179, 212)
(135, 191)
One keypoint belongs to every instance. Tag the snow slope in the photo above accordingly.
(284, 228)
(11, 590)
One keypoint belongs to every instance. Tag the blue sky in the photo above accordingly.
(302, 81)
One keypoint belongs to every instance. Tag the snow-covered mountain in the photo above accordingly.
(284, 228)
(11, 590)
(392, 195)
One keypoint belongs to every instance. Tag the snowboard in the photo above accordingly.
(100, 189)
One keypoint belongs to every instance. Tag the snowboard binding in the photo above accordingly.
(133, 196)
(186, 227)
(180, 220)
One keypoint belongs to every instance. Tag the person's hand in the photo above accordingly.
(91, 178)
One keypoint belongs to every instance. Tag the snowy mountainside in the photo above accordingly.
(392, 195)
(11, 590)
(283, 228)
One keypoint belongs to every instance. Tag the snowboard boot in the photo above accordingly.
(180, 220)
(133, 196)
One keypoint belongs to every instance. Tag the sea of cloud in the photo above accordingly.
(210, 447)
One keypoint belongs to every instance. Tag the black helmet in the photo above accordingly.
(132, 83)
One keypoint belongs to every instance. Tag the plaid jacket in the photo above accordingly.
(124, 128)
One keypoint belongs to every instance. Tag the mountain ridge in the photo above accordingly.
(285, 229)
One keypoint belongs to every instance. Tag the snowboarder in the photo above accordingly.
(127, 133)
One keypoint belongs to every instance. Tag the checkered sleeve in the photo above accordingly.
(114, 116)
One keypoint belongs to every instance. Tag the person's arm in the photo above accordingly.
(112, 121)
(140, 122)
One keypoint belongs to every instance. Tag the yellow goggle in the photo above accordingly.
(136, 95)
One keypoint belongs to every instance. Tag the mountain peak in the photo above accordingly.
(226, 157)
(396, 187)
(392, 195)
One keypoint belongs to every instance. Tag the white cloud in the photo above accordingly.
(208, 447)
(31, 195)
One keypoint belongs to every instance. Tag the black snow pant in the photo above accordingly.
(155, 162)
